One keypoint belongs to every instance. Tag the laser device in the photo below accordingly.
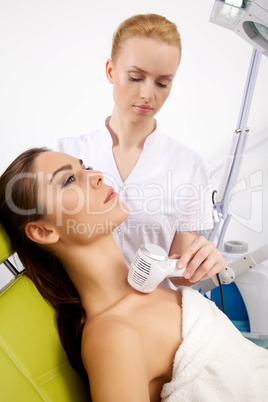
(150, 267)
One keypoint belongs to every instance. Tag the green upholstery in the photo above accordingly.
(33, 364)
(5, 248)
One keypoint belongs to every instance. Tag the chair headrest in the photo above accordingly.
(5, 247)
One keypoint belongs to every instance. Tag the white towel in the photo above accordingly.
(215, 362)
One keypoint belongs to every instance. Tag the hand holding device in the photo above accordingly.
(150, 267)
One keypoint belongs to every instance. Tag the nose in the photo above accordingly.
(147, 90)
(95, 178)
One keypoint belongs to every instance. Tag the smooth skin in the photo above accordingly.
(142, 79)
(130, 339)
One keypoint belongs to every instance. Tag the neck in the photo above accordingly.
(98, 272)
(127, 134)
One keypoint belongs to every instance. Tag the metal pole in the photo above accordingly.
(221, 206)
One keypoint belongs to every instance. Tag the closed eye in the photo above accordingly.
(132, 79)
(161, 85)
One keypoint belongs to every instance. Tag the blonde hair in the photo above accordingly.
(152, 26)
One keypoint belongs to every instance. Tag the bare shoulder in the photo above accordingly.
(106, 332)
(108, 346)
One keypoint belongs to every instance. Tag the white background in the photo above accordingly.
(53, 84)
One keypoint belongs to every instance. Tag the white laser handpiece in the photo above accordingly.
(150, 267)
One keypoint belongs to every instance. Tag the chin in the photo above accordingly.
(124, 209)
(123, 213)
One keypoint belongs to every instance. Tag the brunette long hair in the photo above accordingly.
(18, 206)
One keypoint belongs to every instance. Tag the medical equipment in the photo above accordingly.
(150, 267)
(236, 15)
(235, 268)
(248, 285)
(246, 298)
(247, 18)
(246, 302)
(235, 157)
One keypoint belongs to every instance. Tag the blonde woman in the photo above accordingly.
(162, 181)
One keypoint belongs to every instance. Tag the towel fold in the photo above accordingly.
(214, 362)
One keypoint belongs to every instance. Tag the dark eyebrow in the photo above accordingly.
(63, 168)
(169, 76)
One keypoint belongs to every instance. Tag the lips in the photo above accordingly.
(110, 195)
(143, 108)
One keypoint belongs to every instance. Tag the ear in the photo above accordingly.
(109, 68)
(40, 233)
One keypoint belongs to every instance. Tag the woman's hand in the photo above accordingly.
(202, 258)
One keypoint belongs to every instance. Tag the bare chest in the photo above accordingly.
(159, 325)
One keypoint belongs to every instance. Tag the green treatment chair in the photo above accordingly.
(33, 364)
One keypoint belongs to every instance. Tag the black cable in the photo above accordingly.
(218, 277)
(214, 192)
(220, 286)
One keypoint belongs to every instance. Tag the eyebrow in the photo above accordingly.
(145, 72)
(63, 168)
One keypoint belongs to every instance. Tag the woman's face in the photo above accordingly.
(75, 200)
(142, 77)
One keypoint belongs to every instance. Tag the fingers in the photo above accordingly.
(215, 269)
(203, 259)
(210, 266)
(174, 256)
(191, 251)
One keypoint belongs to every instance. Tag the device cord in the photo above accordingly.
(220, 286)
